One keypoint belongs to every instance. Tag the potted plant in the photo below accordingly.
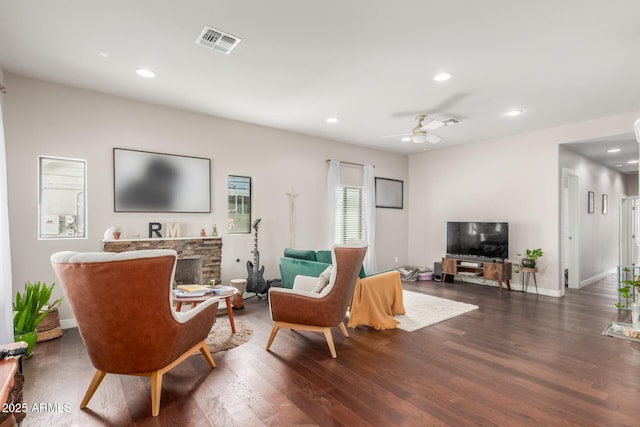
(529, 261)
(28, 311)
(632, 286)
(116, 233)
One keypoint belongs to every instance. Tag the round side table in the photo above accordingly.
(526, 273)
(195, 300)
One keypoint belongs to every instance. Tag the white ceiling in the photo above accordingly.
(368, 62)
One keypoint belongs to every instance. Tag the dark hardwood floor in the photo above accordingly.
(518, 360)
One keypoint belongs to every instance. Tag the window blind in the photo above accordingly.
(348, 214)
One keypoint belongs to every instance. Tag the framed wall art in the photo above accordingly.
(155, 182)
(389, 193)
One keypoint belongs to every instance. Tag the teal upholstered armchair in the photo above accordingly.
(305, 263)
(377, 298)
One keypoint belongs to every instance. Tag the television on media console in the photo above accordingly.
(478, 240)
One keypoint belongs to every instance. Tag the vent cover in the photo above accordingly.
(450, 122)
(217, 40)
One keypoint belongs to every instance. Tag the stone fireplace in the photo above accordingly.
(194, 253)
(189, 270)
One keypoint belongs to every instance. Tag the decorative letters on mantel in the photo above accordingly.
(173, 229)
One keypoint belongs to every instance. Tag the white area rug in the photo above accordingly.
(425, 310)
(220, 338)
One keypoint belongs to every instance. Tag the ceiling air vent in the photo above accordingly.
(450, 122)
(217, 40)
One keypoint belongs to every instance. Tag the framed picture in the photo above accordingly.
(154, 182)
(590, 203)
(605, 204)
(389, 193)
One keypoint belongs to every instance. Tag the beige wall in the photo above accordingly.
(512, 179)
(48, 119)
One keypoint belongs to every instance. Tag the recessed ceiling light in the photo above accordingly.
(331, 120)
(617, 166)
(631, 162)
(442, 77)
(613, 150)
(406, 139)
(104, 55)
(145, 72)
(514, 113)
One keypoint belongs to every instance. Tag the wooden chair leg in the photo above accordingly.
(93, 386)
(207, 355)
(156, 389)
(344, 330)
(329, 338)
(274, 331)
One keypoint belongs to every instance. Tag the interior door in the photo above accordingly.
(570, 273)
(628, 230)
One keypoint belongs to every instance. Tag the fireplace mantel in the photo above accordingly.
(209, 248)
(141, 239)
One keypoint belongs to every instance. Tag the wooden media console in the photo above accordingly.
(498, 271)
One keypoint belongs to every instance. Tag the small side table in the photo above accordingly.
(195, 300)
(526, 273)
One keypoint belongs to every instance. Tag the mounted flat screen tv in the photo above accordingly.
(158, 182)
(478, 240)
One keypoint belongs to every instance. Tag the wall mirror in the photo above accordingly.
(239, 210)
(62, 198)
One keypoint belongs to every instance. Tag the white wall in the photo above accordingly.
(632, 184)
(512, 179)
(48, 119)
(599, 235)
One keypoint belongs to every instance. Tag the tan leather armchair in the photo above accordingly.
(299, 308)
(122, 303)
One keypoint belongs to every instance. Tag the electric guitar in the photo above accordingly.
(255, 273)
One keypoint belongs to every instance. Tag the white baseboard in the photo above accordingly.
(596, 278)
(68, 323)
(531, 289)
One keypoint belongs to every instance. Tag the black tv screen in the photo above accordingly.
(488, 240)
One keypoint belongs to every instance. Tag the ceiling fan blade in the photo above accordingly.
(396, 135)
(432, 125)
(434, 139)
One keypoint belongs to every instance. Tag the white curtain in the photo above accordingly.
(6, 297)
(333, 182)
(369, 214)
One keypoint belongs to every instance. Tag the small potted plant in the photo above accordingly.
(529, 261)
(631, 288)
(29, 309)
(116, 233)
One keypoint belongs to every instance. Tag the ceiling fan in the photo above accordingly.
(421, 133)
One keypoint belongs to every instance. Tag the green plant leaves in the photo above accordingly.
(626, 291)
(28, 307)
(534, 254)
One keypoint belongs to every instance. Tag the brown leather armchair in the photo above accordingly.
(299, 308)
(123, 305)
